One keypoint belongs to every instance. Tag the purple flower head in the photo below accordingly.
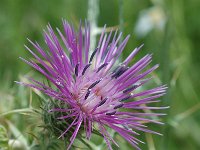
(93, 87)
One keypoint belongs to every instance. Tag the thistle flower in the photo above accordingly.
(93, 88)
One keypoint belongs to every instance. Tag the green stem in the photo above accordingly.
(121, 20)
(93, 13)
(24, 110)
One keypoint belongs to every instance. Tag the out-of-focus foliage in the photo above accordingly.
(168, 28)
(3, 138)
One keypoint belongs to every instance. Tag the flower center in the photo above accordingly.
(95, 93)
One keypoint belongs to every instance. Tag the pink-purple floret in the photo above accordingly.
(94, 86)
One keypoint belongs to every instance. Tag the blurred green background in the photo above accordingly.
(170, 29)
